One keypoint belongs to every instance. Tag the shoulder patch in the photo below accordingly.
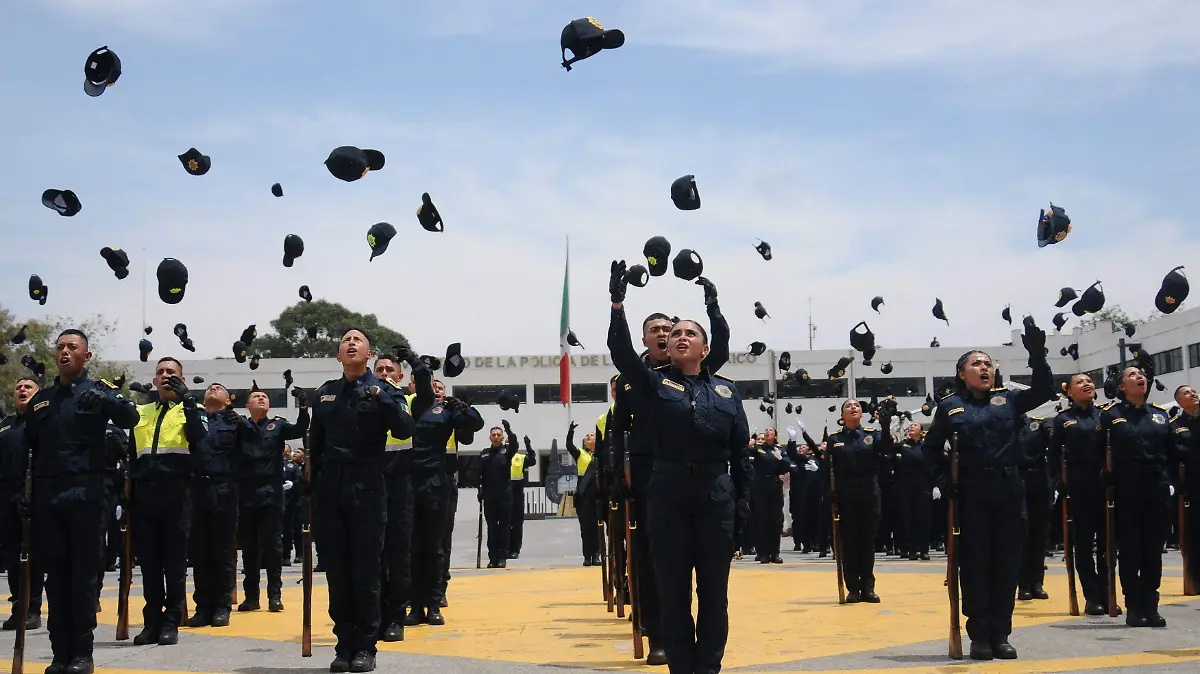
(328, 398)
(674, 385)
(1180, 429)
(956, 410)
(1118, 420)
(110, 384)
(999, 388)
(38, 406)
(628, 387)
(1068, 423)
(395, 384)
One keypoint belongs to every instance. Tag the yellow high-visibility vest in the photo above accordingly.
(167, 437)
(395, 444)
(585, 459)
(602, 424)
(516, 469)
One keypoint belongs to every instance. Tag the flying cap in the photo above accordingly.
(586, 37)
(63, 201)
(305, 294)
(349, 163)
(181, 331)
(428, 216)
(1065, 296)
(572, 339)
(277, 190)
(637, 276)
(1060, 319)
(33, 365)
(287, 379)
(172, 280)
(839, 369)
(311, 331)
(254, 362)
(197, 379)
(19, 337)
(934, 343)
(760, 311)
(656, 251)
(875, 302)
(195, 163)
(939, 312)
(432, 362)
(144, 349)
(1053, 226)
(454, 363)
(787, 409)
(1091, 301)
(117, 259)
(764, 249)
(685, 194)
(687, 264)
(378, 237)
(886, 368)
(757, 348)
(100, 71)
(785, 361)
(249, 334)
(239, 351)
(1130, 329)
(1073, 351)
(148, 329)
(862, 341)
(1173, 292)
(508, 401)
(1007, 315)
(293, 247)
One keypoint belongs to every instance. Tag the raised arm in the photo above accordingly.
(571, 448)
(297, 430)
(1041, 388)
(718, 341)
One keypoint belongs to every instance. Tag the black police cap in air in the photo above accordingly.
(687, 264)
(1007, 315)
(197, 379)
(585, 38)
(249, 334)
(1053, 226)
(63, 201)
(1060, 319)
(239, 351)
(181, 331)
(34, 365)
(764, 249)
(117, 259)
(311, 331)
(1091, 301)
(934, 343)
(428, 216)
(685, 194)
(757, 348)
(454, 363)
(509, 401)
(862, 341)
(100, 71)
(1130, 329)
(20, 336)
(1173, 292)
(1073, 351)
(379, 235)
(886, 368)
(144, 349)
(785, 361)
(293, 247)
(432, 362)
(787, 409)
(148, 329)
(939, 311)
(277, 190)
(305, 294)
(876, 302)
(287, 379)
(760, 311)
(350, 163)
(656, 251)
(38, 291)
(1065, 296)
(194, 162)
(573, 340)
(800, 375)
(172, 280)
(637, 276)
(254, 362)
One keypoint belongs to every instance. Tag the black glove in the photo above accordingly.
(621, 487)
(177, 386)
(528, 445)
(507, 428)
(571, 429)
(231, 417)
(458, 405)
(743, 508)
(91, 401)
(710, 291)
(831, 496)
(300, 396)
(1034, 341)
(408, 356)
(950, 490)
(617, 285)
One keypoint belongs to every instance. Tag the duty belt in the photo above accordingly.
(710, 469)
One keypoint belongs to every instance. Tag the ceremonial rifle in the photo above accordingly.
(1185, 506)
(307, 578)
(479, 527)
(18, 662)
(126, 550)
(837, 517)
(616, 555)
(953, 530)
(1068, 551)
(631, 525)
(1110, 528)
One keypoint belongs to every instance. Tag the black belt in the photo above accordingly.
(711, 469)
(988, 472)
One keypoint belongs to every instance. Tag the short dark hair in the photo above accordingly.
(31, 380)
(384, 356)
(656, 316)
(355, 327)
(172, 359)
(959, 384)
(73, 331)
(1176, 396)
(495, 428)
(703, 332)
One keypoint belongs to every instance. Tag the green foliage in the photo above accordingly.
(1118, 317)
(331, 319)
(39, 343)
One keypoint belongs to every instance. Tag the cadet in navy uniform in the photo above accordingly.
(766, 511)
(854, 455)
(215, 510)
(1076, 437)
(260, 496)
(702, 435)
(1189, 418)
(350, 423)
(1039, 497)
(986, 422)
(1143, 442)
(633, 431)
(519, 474)
(14, 456)
(65, 427)
(396, 579)
(914, 494)
(436, 418)
(496, 465)
(586, 498)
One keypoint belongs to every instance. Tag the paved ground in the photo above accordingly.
(545, 612)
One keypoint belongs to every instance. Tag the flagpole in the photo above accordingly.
(566, 274)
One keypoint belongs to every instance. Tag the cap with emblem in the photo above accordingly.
(685, 194)
(249, 334)
(311, 331)
(1073, 351)
(293, 247)
(760, 311)
(1091, 301)
(19, 337)
(100, 71)
(378, 237)
(886, 368)
(656, 251)
(787, 409)
(277, 190)
(305, 294)
(764, 249)
(839, 369)
(800, 375)
(195, 163)
(762, 407)
(687, 264)
(757, 348)
(239, 351)
(349, 163)
(172, 280)
(254, 362)
(785, 361)
(637, 276)
(876, 302)
(181, 333)
(38, 291)
(1173, 292)
(118, 261)
(1065, 297)
(1059, 320)
(585, 38)
(455, 363)
(63, 201)
(432, 362)
(144, 349)
(939, 312)
(1007, 315)
(928, 406)
(508, 401)
(428, 216)
(1053, 226)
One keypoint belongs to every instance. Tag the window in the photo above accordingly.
(815, 388)
(580, 393)
(941, 385)
(752, 390)
(1097, 376)
(488, 394)
(1167, 362)
(897, 386)
(278, 397)
(1194, 355)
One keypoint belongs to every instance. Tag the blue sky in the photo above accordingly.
(880, 147)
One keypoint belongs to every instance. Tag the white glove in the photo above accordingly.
(287, 484)
(118, 512)
(811, 466)
(799, 423)
(791, 433)
(937, 493)
(1055, 499)
(1172, 488)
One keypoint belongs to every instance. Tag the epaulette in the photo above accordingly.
(1107, 405)
(660, 367)
(1159, 407)
(1037, 418)
(327, 383)
(110, 384)
(395, 384)
(721, 376)
(999, 388)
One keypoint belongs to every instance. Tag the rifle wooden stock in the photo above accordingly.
(635, 609)
(18, 661)
(837, 556)
(615, 573)
(127, 555)
(1110, 529)
(1185, 547)
(953, 530)
(1068, 551)
(307, 578)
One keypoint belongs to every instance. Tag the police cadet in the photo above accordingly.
(215, 510)
(496, 465)
(65, 428)
(167, 433)
(519, 476)
(1039, 497)
(766, 508)
(808, 488)
(587, 497)
(914, 494)
(1076, 437)
(985, 423)
(1187, 399)
(14, 457)
(634, 433)
(397, 546)
(701, 436)
(260, 495)
(293, 503)
(116, 441)
(1144, 442)
(854, 454)
(452, 445)
(431, 488)
(350, 423)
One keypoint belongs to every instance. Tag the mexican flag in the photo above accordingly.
(564, 327)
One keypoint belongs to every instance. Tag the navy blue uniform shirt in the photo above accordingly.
(346, 430)
(1142, 436)
(70, 441)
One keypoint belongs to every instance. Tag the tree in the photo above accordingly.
(331, 321)
(40, 335)
(1118, 317)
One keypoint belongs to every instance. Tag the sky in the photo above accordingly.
(881, 148)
